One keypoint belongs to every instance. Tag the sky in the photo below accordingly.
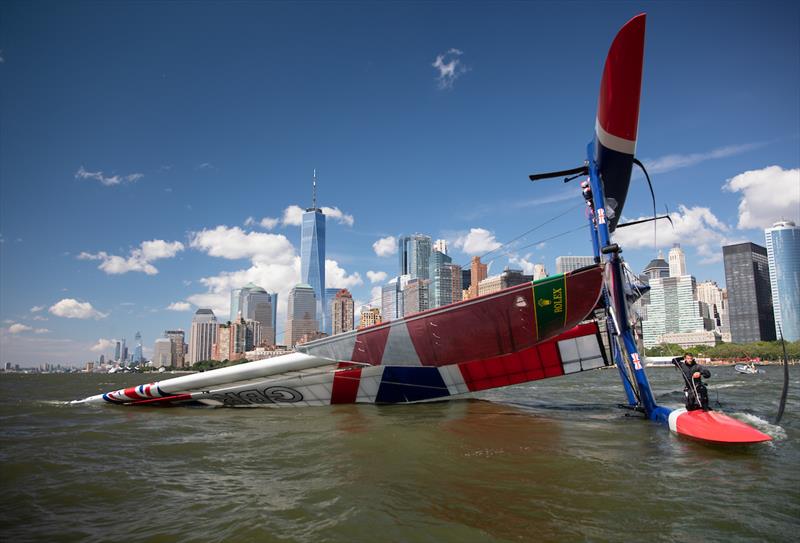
(153, 155)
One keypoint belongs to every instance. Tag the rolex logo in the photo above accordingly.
(542, 302)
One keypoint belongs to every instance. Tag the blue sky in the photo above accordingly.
(172, 124)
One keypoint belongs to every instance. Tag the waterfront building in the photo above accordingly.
(539, 272)
(235, 338)
(312, 256)
(416, 296)
(418, 248)
(708, 338)
(783, 255)
(123, 352)
(466, 279)
(657, 268)
(750, 309)
(441, 277)
(301, 316)
(262, 353)
(137, 350)
(178, 347)
(370, 316)
(440, 245)
(673, 308)
(566, 264)
(257, 304)
(509, 278)
(117, 350)
(402, 254)
(392, 302)
(203, 335)
(478, 271)
(330, 296)
(342, 312)
(456, 287)
(677, 261)
(709, 293)
(236, 303)
(162, 353)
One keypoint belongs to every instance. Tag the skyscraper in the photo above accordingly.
(657, 267)
(783, 254)
(677, 261)
(370, 316)
(414, 255)
(441, 275)
(478, 274)
(673, 309)
(342, 312)
(749, 293)
(236, 303)
(456, 287)
(566, 264)
(301, 314)
(709, 293)
(416, 296)
(402, 254)
(440, 245)
(162, 353)
(390, 295)
(137, 350)
(117, 350)
(256, 304)
(178, 341)
(203, 335)
(312, 255)
(330, 295)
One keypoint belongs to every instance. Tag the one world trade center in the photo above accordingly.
(312, 255)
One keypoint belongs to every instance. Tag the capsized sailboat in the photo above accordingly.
(528, 332)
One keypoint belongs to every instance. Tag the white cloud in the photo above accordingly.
(139, 259)
(180, 306)
(41, 331)
(234, 243)
(338, 215)
(292, 216)
(385, 246)
(37, 308)
(267, 223)
(205, 166)
(336, 277)
(668, 163)
(107, 180)
(39, 318)
(477, 241)
(102, 345)
(450, 68)
(70, 308)
(768, 195)
(523, 262)
(376, 277)
(694, 227)
(18, 328)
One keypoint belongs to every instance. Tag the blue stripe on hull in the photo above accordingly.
(401, 384)
(615, 171)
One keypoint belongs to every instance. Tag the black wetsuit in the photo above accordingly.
(689, 390)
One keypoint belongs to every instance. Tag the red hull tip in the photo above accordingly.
(714, 427)
(621, 86)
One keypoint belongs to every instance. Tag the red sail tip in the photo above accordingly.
(620, 89)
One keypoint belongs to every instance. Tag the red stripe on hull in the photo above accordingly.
(345, 386)
(370, 344)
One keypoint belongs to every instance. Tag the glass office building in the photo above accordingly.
(312, 259)
(783, 255)
(749, 293)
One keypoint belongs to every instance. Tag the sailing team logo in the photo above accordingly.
(636, 362)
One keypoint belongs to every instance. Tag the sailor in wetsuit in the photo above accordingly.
(694, 389)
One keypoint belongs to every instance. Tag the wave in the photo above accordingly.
(776, 432)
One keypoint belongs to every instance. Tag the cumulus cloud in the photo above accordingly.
(338, 215)
(477, 241)
(449, 68)
(39, 318)
(70, 308)
(107, 180)
(336, 277)
(293, 215)
(524, 263)
(267, 223)
(179, 306)
(37, 308)
(102, 345)
(768, 195)
(41, 331)
(18, 328)
(694, 227)
(376, 277)
(139, 259)
(385, 246)
(234, 243)
(667, 163)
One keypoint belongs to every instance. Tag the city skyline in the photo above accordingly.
(120, 229)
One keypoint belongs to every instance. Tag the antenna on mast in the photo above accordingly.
(314, 191)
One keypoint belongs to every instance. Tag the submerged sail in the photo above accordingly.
(618, 114)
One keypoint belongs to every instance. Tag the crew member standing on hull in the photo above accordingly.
(694, 389)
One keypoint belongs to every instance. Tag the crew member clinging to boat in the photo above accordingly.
(694, 389)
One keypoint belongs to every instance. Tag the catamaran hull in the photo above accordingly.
(714, 427)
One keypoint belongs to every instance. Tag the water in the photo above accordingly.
(547, 461)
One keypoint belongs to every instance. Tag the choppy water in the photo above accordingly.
(548, 461)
